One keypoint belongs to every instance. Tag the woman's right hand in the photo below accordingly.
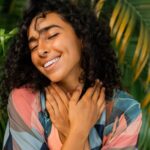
(84, 113)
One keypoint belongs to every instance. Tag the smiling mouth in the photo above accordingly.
(51, 62)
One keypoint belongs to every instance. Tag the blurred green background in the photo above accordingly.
(129, 22)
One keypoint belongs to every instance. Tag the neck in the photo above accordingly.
(71, 83)
(70, 86)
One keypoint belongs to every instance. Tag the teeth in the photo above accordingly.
(51, 62)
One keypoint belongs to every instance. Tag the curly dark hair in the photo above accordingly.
(98, 59)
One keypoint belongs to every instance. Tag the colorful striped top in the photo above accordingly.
(29, 126)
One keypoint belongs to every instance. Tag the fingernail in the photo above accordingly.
(79, 88)
(69, 95)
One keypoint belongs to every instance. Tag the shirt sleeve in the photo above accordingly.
(23, 130)
(125, 129)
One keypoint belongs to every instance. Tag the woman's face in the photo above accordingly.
(55, 48)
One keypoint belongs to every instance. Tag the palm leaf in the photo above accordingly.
(123, 25)
(99, 6)
(126, 38)
(120, 15)
(145, 52)
(146, 100)
(148, 76)
(115, 14)
(126, 15)
(139, 45)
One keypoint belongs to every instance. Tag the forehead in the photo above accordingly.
(40, 22)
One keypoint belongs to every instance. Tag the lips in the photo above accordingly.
(51, 62)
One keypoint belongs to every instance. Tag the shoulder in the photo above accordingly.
(23, 92)
(23, 100)
(22, 95)
(125, 104)
(24, 105)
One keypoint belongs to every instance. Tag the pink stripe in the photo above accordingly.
(27, 105)
(54, 142)
(127, 138)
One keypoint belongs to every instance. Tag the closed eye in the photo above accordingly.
(52, 36)
(31, 49)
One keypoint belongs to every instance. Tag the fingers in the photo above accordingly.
(93, 92)
(62, 95)
(101, 109)
(90, 91)
(69, 95)
(76, 94)
(50, 110)
(101, 99)
(101, 102)
(51, 100)
(62, 108)
(97, 90)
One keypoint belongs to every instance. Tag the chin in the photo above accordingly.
(55, 78)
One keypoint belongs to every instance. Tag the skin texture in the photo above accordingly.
(90, 105)
(52, 37)
(58, 41)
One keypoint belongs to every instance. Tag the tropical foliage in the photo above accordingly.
(130, 28)
(129, 22)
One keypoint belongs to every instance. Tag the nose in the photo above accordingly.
(42, 52)
(43, 49)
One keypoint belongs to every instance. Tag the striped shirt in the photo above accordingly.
(30, 128)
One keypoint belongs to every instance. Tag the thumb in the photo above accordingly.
(76, 94)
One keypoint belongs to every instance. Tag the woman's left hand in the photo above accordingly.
(57, 103)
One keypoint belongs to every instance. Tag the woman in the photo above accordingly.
(65, 84)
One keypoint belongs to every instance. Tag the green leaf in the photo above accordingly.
(4, 37)
(13, 31)
(2, 32)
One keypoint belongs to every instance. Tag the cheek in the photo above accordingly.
(74, 58)
(34, 59)
(58, 44)
(76, 52)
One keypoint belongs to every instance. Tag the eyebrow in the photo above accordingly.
(44, 29)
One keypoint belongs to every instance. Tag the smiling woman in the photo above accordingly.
(64, 84)
(53, 44)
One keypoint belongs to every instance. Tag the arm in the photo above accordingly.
(74, 141)
(22, 133)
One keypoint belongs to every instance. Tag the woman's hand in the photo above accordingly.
(84, 113)
(81, 114)
(57, 103)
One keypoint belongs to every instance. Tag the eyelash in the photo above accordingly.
(52, 36)
(33, 48)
